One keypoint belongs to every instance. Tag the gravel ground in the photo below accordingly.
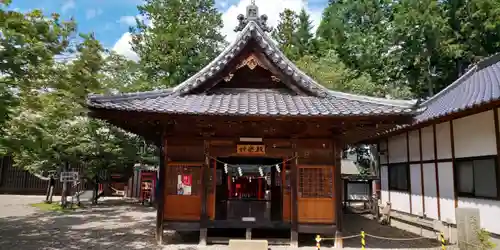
(117, 224)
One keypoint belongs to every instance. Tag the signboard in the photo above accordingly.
(251, 149)
(68, 176)
(184, 184)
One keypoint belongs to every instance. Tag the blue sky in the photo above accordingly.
(110, 19)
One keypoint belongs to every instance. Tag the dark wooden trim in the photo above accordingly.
(388, 162)
(421, 162)
(160, 197)
(436, 170)
(455, 183)
(338, 186)
(497, 136)
(409, 167)
(438, 120)
(205, 170)
(294, 236)
(421, 171)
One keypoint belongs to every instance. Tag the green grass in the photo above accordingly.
(53, 207)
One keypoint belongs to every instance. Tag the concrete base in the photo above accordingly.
(248, 245)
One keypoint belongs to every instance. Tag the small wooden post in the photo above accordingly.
(162, 173)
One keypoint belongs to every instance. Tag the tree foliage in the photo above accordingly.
(49, 127)
(176, 39)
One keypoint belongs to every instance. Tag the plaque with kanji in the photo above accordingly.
(251, 149)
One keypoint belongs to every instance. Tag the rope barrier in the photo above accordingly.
(364, 235)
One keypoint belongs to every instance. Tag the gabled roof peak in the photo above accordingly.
(252, 15)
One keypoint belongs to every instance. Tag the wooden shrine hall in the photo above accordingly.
(250, 142)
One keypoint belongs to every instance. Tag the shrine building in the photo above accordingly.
(250, 142)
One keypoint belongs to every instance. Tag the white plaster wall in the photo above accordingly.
(430, 191)
(446, 191)
(416, 190)
(475, 135)
(489, 211)
(383, 148)
(414, 145)
(397, 149)
(427, 143)
(443, 140)
(400, 201)
(384, 184)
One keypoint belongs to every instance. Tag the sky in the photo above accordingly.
(110, 19)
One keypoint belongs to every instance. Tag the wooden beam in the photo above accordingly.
(337, 154)
(294, 240)
(421, 171)
(205, 170)
(408, 172)
(160, 196)
(453, 165)
(497, 136)
(436, 170)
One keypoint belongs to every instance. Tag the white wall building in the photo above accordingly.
(449, 156)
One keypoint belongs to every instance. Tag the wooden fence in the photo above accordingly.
(19, 181)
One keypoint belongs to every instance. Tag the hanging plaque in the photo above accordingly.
(251, 149)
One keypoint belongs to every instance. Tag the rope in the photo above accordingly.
(398, 239)
(343, 238)
(263, 166)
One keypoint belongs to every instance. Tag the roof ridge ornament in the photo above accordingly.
(252, 15)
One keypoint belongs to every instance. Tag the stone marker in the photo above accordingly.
(248, 244)
(468, 225)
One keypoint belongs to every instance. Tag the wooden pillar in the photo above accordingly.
(204, 193)
(160, 196)
(338, 191)
(294, 237)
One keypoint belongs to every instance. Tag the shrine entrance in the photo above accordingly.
(249, 189)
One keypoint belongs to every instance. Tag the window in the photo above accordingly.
(315, 182)
(477, 178)
(398, 177)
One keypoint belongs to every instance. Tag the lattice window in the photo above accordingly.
(184, 174)
(316, 182)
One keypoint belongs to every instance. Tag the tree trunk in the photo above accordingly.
(96, 190)
(64, 193)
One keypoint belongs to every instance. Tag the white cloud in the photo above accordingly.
(127, 20)
(91, 13)
(124, 48)
(68, 5)
(268, 7)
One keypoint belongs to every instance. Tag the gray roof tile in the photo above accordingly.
(480, 85)
(319, 101)
(249, 102)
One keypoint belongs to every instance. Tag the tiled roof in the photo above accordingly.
(480, 85)
(252, 30)
(317, 100)
(262, 102)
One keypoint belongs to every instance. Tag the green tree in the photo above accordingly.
(331, 72)
(29, 42)
(304, 37)
(285, 34)
(183, 37)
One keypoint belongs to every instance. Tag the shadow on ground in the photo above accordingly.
(111, 225)
(119, 224)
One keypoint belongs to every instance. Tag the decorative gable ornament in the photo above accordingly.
(252, 15)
